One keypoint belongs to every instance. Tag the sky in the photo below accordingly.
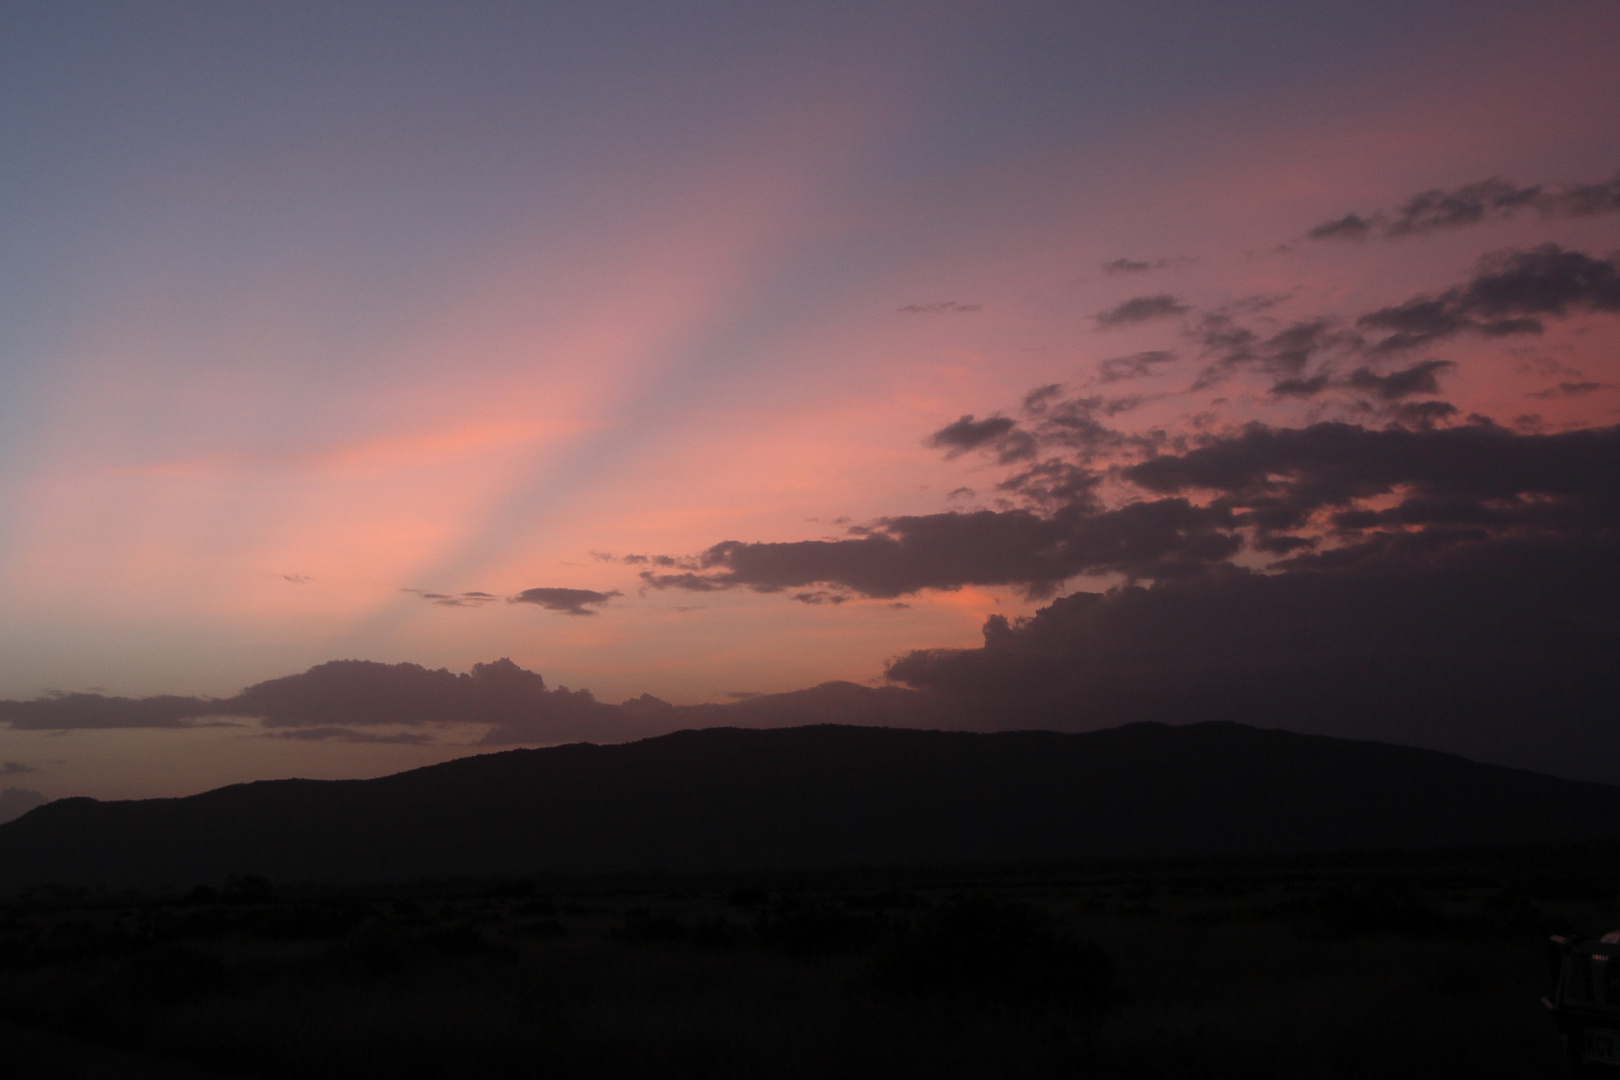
(708, 350)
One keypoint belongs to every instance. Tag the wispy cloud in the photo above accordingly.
(349, 735)
(941, 307)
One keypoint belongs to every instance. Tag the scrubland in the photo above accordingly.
(1425, 965)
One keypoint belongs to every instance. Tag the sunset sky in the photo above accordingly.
(369, 331)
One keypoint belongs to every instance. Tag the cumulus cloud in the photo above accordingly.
(1494, 199)
(566, 601)
(513, 703)
(1140, 309)
(347, 693)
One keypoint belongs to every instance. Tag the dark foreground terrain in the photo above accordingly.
(1388, 965)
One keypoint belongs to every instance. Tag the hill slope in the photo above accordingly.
(814, 797)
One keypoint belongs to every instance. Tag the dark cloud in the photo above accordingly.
(1416, 379)
(15, 802)
(1467, 205)
(66, 712)
(1507, 294)
(690, 580)
(1276, 490)
(1076, 425)
(969, 434)
(1300, 387)
(941, 307)
(1571, 389)
(566, 601)
(1276, 479)
(646, 707)
(363, 693)
(1021, 548)
(565, 715)
(643, 560)
(1420, 415)
(1042, 397)
(1349, 227)
(1505, 648)
(1420, 321)
(1115, 406)
(341, 734)
(1546, 280)
(14, 768)
(1484, 200)
(1585, 200)
(1134, 366)
(1140, 309)
(999, 432)
(821, 596)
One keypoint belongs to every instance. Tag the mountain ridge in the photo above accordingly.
(816, 796)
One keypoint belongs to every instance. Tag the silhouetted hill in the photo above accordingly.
(823, 796)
